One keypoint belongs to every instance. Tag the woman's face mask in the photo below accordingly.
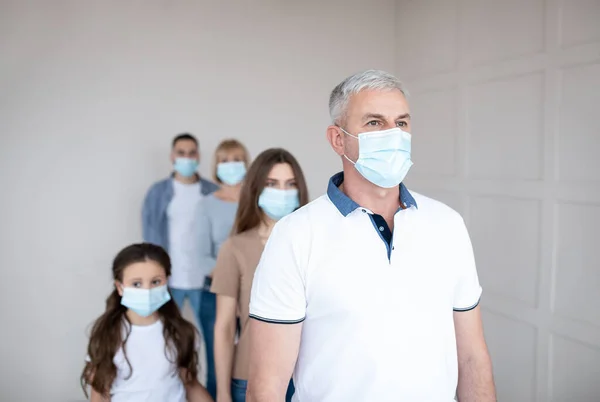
(278, 203)
(231, 173)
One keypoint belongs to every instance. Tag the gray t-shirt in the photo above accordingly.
(215, 220)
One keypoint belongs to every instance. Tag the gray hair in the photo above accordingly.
(370, 80)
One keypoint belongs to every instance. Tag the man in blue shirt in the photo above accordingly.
(169, 219)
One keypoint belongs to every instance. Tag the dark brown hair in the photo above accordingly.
(249, 215)
(106, 335)
(184, 136)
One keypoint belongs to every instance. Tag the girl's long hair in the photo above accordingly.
(111, 330)
(249, 215)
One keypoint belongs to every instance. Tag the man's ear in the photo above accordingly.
(119, 287)
(336, 140)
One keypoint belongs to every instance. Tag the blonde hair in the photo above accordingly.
(225, 147)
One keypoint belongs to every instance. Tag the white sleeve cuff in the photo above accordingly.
(469, 303)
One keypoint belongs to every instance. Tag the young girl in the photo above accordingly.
(273, 188)
(215, 219)
(141, 348)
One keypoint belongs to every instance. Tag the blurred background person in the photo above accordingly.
(170, 219)
(215, 218)
(275, 186)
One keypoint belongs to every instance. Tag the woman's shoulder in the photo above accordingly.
(244, 240)
(215, 201)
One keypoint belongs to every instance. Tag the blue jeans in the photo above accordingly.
(193, 295)
(205, 310)
(238, 390)
(207, 318)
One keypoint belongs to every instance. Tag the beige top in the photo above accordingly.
(232, 276)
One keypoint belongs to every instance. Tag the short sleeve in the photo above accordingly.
(226, 275)
(278, 290)
(467, 290)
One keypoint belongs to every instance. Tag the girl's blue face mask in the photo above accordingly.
(145, 302)
(383, 156)
(278, 203)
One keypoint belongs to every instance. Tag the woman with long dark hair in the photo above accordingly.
(273, 188)
(141, 348)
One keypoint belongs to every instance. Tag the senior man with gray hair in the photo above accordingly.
(369, 293)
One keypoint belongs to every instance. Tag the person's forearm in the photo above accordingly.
(475, 380)
(224, 350)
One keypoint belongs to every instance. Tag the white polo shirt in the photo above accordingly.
(378, 315)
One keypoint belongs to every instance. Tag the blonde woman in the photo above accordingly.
(215, 219)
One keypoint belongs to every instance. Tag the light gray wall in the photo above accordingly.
(505, 99)
(92, 92)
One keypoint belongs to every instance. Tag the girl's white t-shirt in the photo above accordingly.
(155, 378)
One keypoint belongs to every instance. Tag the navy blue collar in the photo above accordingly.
(345, 205)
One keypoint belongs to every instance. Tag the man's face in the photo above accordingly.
(185, 149)
(373, 110)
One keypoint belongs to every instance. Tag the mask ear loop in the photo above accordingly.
(349, 160)
(347, 133)
(353, 136)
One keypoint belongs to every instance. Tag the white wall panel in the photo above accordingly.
(526, 85)
(575, 371)
(579, 138)
(505, 128)
(579, 22)
(426, 42)
(506, 239)
(577, 276)
(435, 128)
(496, 31)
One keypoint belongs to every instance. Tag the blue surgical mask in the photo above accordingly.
(383, 156)
(144, 302)
(186, 167)
(231, 173)
(278, 203)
